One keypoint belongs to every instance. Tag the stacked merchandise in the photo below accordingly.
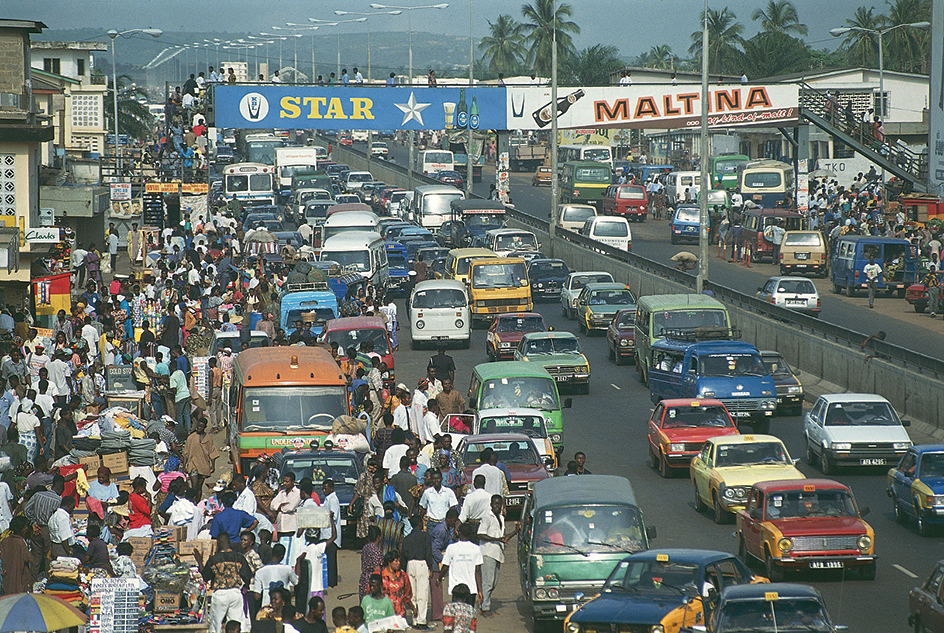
(64, 582)
(116, 441)
(142, 452)
(164, 572)
(124, 420)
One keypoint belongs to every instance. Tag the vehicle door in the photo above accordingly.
(752, 517)
(903, 480)
(690, 378)
(930, 607)
(701, 471)
(814, 425)
(524, 545)
(583, 302)
(655, 423)
(767, 292)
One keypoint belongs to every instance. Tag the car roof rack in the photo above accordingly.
(697, 334)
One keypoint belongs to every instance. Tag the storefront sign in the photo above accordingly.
(46, 235)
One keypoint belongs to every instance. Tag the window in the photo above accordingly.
(730, 573)
(7, 184)
(80, 67)
(880, 103)
(52, 65)
(612, 229)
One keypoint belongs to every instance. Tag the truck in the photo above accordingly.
(456, 142)
(523, 156)
(291, 160)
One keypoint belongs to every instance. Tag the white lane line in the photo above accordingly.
(904, 571)
(615, 387)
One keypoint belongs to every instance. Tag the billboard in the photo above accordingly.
(936, 131)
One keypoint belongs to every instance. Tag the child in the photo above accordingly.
(124, 567)
(339, 619)
(265, 546)
(459, 615)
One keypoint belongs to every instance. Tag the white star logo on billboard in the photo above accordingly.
(253, 107)
(412, 110)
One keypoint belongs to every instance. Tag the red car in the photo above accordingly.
(507, 329)
(621, 336)
(516, 452)
(628, 201)
(679, 427)
(350, 331)
(345, 140)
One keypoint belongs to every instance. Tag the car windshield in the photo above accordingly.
(360, 177)
(802, 239)
(773, 616)
(796, 286)
(688, 214)
(499, 276)
(579, 214)
(626, 321)
(588, 529)
(463, 263)
(730, 365)
(592, 174)
(612, 297)
(520, 324)
(520, 453)
(810, 502)
(688, 320)
(777, 366)
(317, 316)
(516, 242)
(579, 281)
(483, 220)
(291, 408)
(931, 465)
(727, 166)
(440, 298)
(397, 262)
(556, 268)
(552, 345)
(696, 416)
(530, 425)
(861, 414)
(654, 578)
(358, 260)
(317, 209)
(611, 228)
(234, 342)
(632, 193)
(341, 469)
(748, 453)
(439, 203)
(532, 392)
(762, 179)
(353, 338)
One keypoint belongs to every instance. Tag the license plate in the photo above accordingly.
(796, 302)
(740, 414)
(826, 564)
(875, 461)
(802, 255)
(561, 378)
(514, 501)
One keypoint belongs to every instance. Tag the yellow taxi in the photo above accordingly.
(726, 468)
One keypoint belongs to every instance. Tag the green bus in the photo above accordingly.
(724, 170)
(584, 182)
(657, 316)
(520, 384)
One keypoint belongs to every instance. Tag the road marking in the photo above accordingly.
(615, 387)
(904, 571)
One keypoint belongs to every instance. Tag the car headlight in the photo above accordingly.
(480, 303)
(657, 628)
(624, 342)
(556, 437)
(573, 627)
(768, 404)
(766, 393)
(795, 389)
(459, 323)
(841, 446)
(540, 594)
(901, 446)
(707, 393)
(420, 325)
(540, 285)
(676, 448)
(937, 500)
(864, 542)
(534, 284)
(785, 545)
(505, 345)
(553, 594)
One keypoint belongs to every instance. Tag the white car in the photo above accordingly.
(573, 216)
(379, 149)
(574, 284)
(525, 421)
(792, 293)
(854, 429)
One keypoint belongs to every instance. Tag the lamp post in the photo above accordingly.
(703, 223)
(555, 183)
(280, 38)
(113, 34)
(215, 42)
(296, 27)
(366, 19)
(336, 23)
(303, 27)
(265, 41)
(837, 32)
(409, 15)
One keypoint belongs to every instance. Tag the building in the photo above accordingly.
(69, 59)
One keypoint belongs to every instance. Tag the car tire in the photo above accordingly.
(867, 572)
(900, 515)
(564, 311)
(920, 308)
(611, 354)
(580, 327)
(761, 427)
(699, 504)
(810, 454)
(672, 240)
(850, 291)
(414, 345)
(466, 344)
(917, 625)
(783, 271)
(653, 458)
(827, 465)
(721, 515)
(742, 549)
(837, 289)
(774, 572)
(665, 470)
(924, 528)
(584, 389)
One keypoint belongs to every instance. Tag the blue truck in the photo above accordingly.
(730, 371)
(398, 280)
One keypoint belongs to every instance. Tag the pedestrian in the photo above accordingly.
(200, 455)
(396, 585)
(416, 554)
(776, 238)
(872, 272)
(431, 78)
(444, 365)
(286, 503)
(476, 504)
(437, 500)
(112, 240)
(215, 395)
(274, 573)
(313, 621)
(371, 561)
(441, 537)
(375, 604)
(18, 561)
(580, 458)
(492, 540)
(459, 615)
(178, 384)
(934, 282)
(332, 504)
(462, 563)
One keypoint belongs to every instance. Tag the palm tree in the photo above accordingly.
(724, 41)
(591, 66)
(862, 48)
(660, 56)
(907, 49)
(134, 119)
(503, 49)
(540, 27)
(772, 54)
(779, 17)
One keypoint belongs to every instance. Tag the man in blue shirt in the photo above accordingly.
(230, 520)
(442, 535)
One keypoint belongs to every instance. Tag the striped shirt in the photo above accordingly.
(42, 506)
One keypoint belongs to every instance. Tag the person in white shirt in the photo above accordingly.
(493, 475)
(246, 498)
(61, 534)
(401, 419)
(492, 541)
(333, 505)
(358, 77)
(475, 505)
(36, 360)
(6, 507)
(312, 554)
(397, 450)
(462, 563)
(182, 511)
(90, 334)
(275, 571)
(419, 404)
(58, 374)
(430, 427)
(437, 499)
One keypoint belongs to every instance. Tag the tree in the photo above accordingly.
(724, 42)
(503, 48)
(134, 119)
(775, 53)
(660, 57)
(780, 16)
(907, 49)
(591, 66)
(862, 47)
(542, 22)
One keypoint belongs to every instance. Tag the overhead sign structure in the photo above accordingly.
(287, 107)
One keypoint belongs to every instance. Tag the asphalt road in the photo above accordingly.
(895, 316)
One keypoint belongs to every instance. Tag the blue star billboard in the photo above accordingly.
(358, 107)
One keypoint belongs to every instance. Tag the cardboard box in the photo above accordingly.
(142, 547)
(117, 462)
(91, 465)
(206, 547)
(167, 602)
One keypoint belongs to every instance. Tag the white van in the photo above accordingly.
(338, 223)
(355, 179)
(439, 312)
(504, 242)
(362, 252)
(574, 216)
(677, 182)
(432, 204)
(610, 230)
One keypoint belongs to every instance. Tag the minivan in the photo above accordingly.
(431, 204)
(851, 254)
(457, 262)
(803, 252)
(504, 242)
(573, 216)
(629, 201)
(610, 230)
(677, 182)
(439, 313)
(363, 252)
(757, 224)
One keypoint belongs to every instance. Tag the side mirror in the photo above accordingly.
(568, 403)
(651, 532)
(906, 422)
(864, 511)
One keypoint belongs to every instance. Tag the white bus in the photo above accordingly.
(349, 221)
(430, 161)
(432, 204)
(597, 153)
(252, 182)
(363, 252)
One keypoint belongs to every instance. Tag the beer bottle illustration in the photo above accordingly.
(462, 111)
(474, 115)
(542, 116)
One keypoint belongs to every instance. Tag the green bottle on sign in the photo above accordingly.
(462, 111)
(474, 115)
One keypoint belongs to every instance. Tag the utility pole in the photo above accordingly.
(703, 152)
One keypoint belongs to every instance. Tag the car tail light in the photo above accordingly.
(576, 193)
(781, 255)
(823, 257)
(772, 300)
(819, 302)
(857, 274)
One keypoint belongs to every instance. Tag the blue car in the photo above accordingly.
(685, 224)
(398, 280)
(661, 590)
(916, 487)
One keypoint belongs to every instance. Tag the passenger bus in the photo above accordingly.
(595, 153)
(344, 221)
(429, 161)
(250, 182)
(584, 182)
(432, 204)
(724, 170)
(363, 252)
(498, 285)
(766, 182)
(285, 397)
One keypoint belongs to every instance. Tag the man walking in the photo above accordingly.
(416, 554)
(934, 283)
(228, 573)
(462, 563)
(492, 541)
(200, 455)
(872, 272)
(443, 364)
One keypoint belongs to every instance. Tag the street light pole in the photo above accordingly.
(555, 183)
(469, 146)
(113, 34)
(703, 224)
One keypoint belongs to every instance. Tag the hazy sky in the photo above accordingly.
(631, 25)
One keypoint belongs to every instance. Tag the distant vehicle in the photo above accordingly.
(542, 176)
(449, 178)
(792, 293)
(345, 139)
(224, 155)
(379, 149)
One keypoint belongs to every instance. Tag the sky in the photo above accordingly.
(633, 26)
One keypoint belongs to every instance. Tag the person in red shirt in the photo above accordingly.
(140, 504)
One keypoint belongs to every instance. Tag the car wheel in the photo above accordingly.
(774, 571)
(673, 240)
(917, 625)
(761, 426)
(721, 515)
(653, 458)
(900, 515)
(810, 454)
(612, 354)
(466, 344)
(664, 469)
(924, 528)
(742, 549)
(828, 467)
(414, 345)
(580, 327)
(584, 389)
(850, 291)
(699, 504)
(836, 288)
(920, 308)
(867, 572)
(564, 311)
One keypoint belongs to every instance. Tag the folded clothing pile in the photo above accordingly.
(122, 419)
(142, 452)
(115, 441)
(87, 444)
(64, 581)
